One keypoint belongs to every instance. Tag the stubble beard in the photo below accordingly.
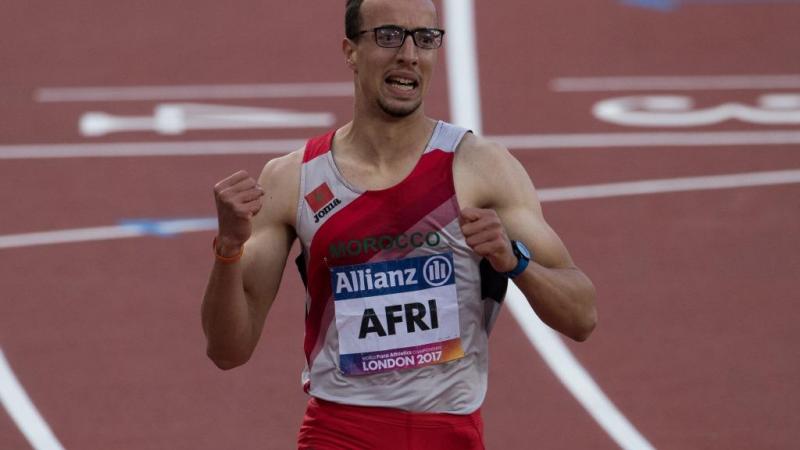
(399, 112)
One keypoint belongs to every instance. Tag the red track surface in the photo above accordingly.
(697, 291)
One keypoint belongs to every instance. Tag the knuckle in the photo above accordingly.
(241, 210)
(225, 198)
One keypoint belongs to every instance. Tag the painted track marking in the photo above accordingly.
(127, 229)
(464, 88)
(658, 186)
(23, 412)
(547, 343)
(572, 374)
(477, 128)
(193, 92)
(178, 118)
(169, 227)
(674, 83)
(185, 148)
(558, 357)
(650, 139)
(520, 142)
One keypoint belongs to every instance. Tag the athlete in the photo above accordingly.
(409, 229)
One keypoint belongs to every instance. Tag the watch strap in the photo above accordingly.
(522, 261)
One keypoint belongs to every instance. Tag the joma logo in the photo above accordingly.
(328, 208)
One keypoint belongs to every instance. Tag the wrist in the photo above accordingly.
(226, 251)
(523, 256)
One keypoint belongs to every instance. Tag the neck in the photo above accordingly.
(380, 138)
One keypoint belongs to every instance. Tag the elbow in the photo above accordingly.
(583, 335)
(588, 321)
(582, 332)
(226, 362)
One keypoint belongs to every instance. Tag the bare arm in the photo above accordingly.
(499, 204)
(258, 217)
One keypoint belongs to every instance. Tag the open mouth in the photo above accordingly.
(401, 83)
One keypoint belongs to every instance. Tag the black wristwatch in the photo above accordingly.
(523, 255)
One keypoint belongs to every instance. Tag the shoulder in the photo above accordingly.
(280, 179)
(486, 172)
(282, 171)
(484, 158)
(474, 146)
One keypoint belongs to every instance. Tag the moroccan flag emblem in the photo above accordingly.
(319, 197)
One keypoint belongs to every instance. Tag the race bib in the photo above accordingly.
(398, 314)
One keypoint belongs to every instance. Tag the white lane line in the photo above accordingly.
(462, 65)
(558, 357)
(22, 410)
(190, 92)
(129, 229)
(644, 187)
(652, 139)
(184, 148)
(549, 345)
(573, 375)
(513, 142)
(674, 83)
(66, 236)
(168, 227)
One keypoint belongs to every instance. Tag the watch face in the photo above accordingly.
(522, 249)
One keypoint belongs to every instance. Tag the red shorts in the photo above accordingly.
(332, 426)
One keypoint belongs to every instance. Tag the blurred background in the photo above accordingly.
(662, 136)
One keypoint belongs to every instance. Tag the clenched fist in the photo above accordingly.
(486, 236)
(238, 199)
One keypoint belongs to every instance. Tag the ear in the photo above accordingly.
(350, 53)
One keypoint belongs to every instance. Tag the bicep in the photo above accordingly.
(527, 224)
(273, 234)
(518, 207)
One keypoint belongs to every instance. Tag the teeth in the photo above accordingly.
(405, 82)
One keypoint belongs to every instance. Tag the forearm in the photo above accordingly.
(254, 239)
(227, 317)
(563, 298)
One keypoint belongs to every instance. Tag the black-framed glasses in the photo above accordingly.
(393, 36)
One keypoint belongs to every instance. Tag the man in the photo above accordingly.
(395, 213)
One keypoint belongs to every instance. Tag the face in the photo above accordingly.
(392, 81)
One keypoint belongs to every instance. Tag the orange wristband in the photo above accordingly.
(226, 259)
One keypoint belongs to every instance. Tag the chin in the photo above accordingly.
(399, 111)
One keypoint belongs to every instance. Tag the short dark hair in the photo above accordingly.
(352, 19)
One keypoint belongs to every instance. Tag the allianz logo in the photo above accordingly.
(435, 271)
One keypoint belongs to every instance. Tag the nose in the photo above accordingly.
(408, 52)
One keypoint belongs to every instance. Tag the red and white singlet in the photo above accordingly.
(394, 314)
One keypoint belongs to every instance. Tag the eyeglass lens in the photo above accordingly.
(395, 37)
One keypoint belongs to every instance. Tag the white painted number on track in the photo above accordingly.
(678, 111)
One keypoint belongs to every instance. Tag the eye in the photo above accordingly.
(389, 35)
(428, 38)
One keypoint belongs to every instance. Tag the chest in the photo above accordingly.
(344, 225)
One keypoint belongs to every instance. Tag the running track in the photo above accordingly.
(697, 284)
